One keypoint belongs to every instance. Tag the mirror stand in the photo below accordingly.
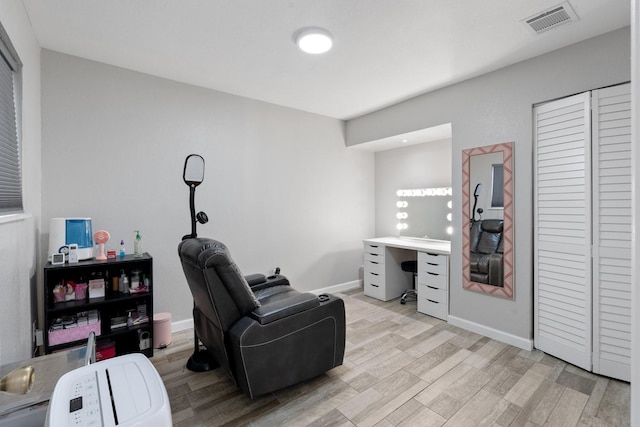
(193, 175)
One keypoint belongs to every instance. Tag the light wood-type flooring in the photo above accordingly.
(403, 368)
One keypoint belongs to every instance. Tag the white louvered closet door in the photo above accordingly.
(562, 230)
(612, 231)
(582, 300)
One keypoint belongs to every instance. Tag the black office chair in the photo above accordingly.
(410, 267)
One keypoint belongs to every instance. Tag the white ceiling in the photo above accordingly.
(385, 51)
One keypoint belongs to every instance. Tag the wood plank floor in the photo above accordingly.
(403, 368)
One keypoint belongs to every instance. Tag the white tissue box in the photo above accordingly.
(96, 288)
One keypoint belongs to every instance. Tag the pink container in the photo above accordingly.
(81, 291)
(161, 330)
(73, 334)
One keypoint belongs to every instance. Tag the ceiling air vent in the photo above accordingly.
(550, 18)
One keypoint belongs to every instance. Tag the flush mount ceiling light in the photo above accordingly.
(313, 40)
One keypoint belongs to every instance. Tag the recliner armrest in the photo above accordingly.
(269, 282)
(255, 279)
(285, 307)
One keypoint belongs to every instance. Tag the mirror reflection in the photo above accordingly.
(193, 170)
(488, 219)
(487, 192)
(424, 213)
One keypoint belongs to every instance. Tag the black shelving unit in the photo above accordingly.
(114, 304)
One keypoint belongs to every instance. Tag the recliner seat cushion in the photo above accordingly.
(479, 263)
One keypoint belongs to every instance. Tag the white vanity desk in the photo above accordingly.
(384, 278)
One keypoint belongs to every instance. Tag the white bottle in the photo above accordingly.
(124, 284)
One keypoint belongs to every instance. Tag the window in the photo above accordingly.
(497, 192)
(10, 170)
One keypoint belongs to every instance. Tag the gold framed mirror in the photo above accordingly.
(487, 227)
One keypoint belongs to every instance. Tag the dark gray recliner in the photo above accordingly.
(487, 252)
(264, 333)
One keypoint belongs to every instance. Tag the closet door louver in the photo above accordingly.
(562, 230)
(612, 231)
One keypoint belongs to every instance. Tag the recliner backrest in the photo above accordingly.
(216, 281)
(220, 292)
(486, 236)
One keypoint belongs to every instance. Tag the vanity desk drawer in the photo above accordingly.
(433, 263)
(431, 293)
(433, 284)
(433, 308)
(373, 249)
(373, 258)
(376, 268)
(374, 286)
(438, 281)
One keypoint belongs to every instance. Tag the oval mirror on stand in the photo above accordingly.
(193, 175)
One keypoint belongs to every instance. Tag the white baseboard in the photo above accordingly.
(523, 343)
(342, 287)
(181, 325)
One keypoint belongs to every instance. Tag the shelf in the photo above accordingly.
(92, 303)
(128, 329)
(97, 264)
(113, 304)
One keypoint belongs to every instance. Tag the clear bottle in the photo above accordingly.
(124, 283)
(122, 249)
(137, 245)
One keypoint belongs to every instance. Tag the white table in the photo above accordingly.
(385, 280)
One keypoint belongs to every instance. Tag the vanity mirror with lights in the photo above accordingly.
(487, 224)
(424, 213)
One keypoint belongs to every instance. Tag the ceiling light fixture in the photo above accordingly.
(313, 40)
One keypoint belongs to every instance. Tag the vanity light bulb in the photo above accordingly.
(399, 193)
(449, 204)
(399, 204)
(449, 230)
(405, 226)
(449, 216)
(399, 215)
(399, 226)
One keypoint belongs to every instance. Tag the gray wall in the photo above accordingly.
(280, 187)
(497, 107)
(423, 165)
(19, 237)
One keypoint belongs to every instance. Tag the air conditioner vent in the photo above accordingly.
(550, 18)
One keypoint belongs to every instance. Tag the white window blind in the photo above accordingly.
(10, 170)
